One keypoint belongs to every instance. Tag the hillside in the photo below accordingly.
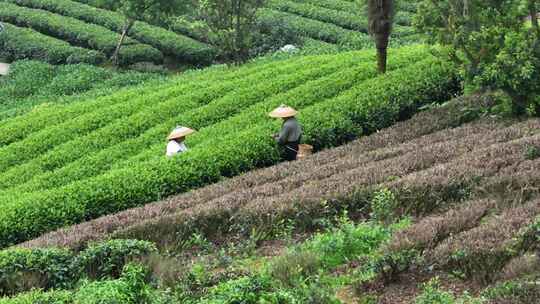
(67, 31)
(466, 180)
(93, 158)
(33, 83)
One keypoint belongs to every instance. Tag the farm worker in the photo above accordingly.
(176, 140)
(291, 132)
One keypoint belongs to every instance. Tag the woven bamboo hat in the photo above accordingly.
(283, 111)
(180, 132)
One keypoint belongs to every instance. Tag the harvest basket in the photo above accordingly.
(304, 151)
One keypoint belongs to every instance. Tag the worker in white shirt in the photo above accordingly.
(176, 140)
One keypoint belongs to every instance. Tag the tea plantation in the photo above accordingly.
(67, 31)
(80, 161)
(422, 188)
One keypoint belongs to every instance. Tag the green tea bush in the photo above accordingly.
(198, 109)
(24, 43)
(78, 33)
(432, 294)
(383, 206)
(33, 83)
(347, 242)
(166, 41)
(25, 269)
(317, 30)
(37, 296)
(21, 127)
(24, 79)
(131, 288)
(369, 105)
(107, 259)
(300, 97)
(351, 20)
(339, 5)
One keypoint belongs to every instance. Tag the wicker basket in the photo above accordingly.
(304, 151)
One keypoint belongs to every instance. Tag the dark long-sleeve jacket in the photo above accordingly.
(290, 131)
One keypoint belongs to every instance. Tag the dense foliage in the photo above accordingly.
(23, 43)
(169, 43)
(78, 33)
(121, 126)
(492, 42)
(31, 83)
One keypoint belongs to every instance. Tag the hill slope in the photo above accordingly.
(77, 162)
(91, 32)
(470, 184)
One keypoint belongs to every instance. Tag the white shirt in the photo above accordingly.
(173, 147)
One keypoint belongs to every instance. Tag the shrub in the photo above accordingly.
(383, 206)
(23, 43)
(432, 294)
(107, 259)
(78, 33)
(25, 269)
(294, 267)
(131, 288)
(166, 41)
(316, 29)
(345, 243)
(372, 104)
(37, 296)
(346, 19)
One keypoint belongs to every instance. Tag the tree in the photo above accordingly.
(496, 43)
(134, 10)
(380, 21)
(232, 23)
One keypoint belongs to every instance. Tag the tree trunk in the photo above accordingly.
(127, 27)
(519, 102)
(382, 41)
(239, 40)
(382, 54)
(533, 11)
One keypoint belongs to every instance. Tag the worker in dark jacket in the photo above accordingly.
(291, 132)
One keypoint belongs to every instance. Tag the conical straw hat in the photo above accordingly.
(179, 132)
(283, 111)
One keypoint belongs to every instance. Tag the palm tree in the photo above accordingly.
(380, 20)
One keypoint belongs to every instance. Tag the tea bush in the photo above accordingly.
(106, 260)
(300, 97)
(168, 42)
(197, 109)
(367, 106)
(23, 269)
(347, 19)
(317, 30)
(78, 33)
(24, 43)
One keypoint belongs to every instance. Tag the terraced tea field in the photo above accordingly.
(67, 31)
(80, 161)
(33, 83)
(467, 182)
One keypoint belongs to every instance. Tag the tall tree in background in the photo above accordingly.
(380, 20)
(496, 43)
(232, 23)
(134, 10)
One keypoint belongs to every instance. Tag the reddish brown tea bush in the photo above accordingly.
(481, 252)
(340, 176)
(429, 231)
